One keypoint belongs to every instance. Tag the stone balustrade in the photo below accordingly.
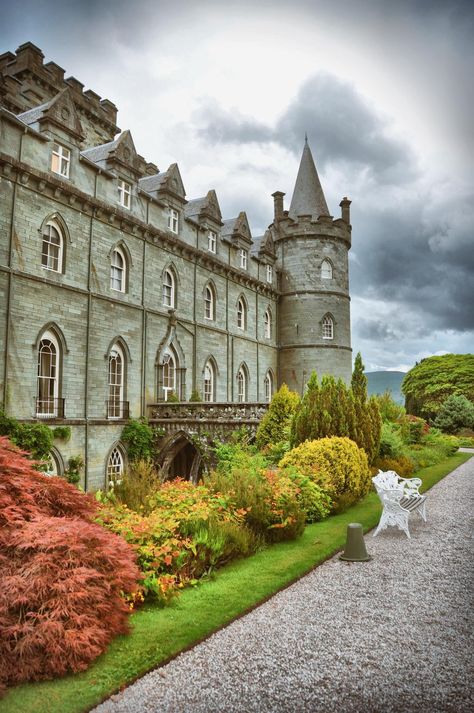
(195, 417)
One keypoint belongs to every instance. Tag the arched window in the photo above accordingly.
(48, 403)
(241, 313)
(268, 386)
(242, 388)
(209, 302)
(267, 319)
(328, 327)
(115, 466)
(169, 375)
(116, 402)
(118, 271)
(326, 270)
(209, 382)
(53, 247)
(55, 465)
(169, 289)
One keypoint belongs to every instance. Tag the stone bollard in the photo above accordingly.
(354, 550)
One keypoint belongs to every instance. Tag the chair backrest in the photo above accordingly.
(388, 480)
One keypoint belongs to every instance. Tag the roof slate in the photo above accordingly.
(100, 153)
(308, 197)
(150, 184)
(33, 115)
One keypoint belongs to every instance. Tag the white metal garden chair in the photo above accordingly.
(400, 497)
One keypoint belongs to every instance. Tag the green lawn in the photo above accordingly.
(159, 634)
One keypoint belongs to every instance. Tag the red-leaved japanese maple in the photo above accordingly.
(62, 576)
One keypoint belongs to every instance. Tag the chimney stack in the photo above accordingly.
(278, 205)
(345, 210)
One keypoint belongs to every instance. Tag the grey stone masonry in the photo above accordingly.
(117, 292)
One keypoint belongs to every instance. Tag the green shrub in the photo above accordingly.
(402, 465)
(138, 437)
(391, 442)
(233, 454)
(434, 448)
(389, 409)
(465, 438)
(314, 501)
(270, 498)
(36, 438)
(456, 413)
(275, 425)
(412, 428)
(73, 471)
(337, 465)
(139, 481)
(195, 395)
(62, 433)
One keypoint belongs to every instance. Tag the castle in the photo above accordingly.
(122, 298)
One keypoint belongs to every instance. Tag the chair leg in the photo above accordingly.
(381, 526)
(422, 511)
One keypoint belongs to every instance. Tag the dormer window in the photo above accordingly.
(173, 220)
(60, 160)
(269, 274)
(124, 193)
(243, 258)
(211, 241)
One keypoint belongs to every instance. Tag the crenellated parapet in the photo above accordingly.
(27, 82)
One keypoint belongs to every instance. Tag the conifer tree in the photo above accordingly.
(307, 412)
(275, 425)
(359, 380)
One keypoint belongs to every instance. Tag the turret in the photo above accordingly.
(312, 250)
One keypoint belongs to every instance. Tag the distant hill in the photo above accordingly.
(380, 381)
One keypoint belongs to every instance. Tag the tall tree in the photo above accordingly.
(429, 383)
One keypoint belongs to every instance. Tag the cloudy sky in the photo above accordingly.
(228, 89)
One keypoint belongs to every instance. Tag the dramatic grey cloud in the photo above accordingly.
(337, 120)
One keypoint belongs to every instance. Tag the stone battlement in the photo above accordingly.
(26, 82)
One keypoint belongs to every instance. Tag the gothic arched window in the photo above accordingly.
(241, 313)
(328, 327)
(326, 270)
(115, 466)
(209, 382)
(268, 386)
(116, 385)
(242, 384)
(267, 320)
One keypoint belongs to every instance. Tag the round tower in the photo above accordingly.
(314, 307)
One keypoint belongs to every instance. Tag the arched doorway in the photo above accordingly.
(179, 458)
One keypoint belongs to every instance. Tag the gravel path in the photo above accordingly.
(395, 634)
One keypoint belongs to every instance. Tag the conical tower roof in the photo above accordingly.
(308, 197)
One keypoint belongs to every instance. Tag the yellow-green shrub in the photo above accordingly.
(336, 464)
(402, 465)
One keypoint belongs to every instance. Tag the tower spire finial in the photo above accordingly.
(305, 137)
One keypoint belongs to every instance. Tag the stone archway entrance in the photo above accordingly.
(179, 458)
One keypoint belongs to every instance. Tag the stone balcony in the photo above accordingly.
(217, 419)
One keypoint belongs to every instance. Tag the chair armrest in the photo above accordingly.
(411, 485)
(391, 500)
